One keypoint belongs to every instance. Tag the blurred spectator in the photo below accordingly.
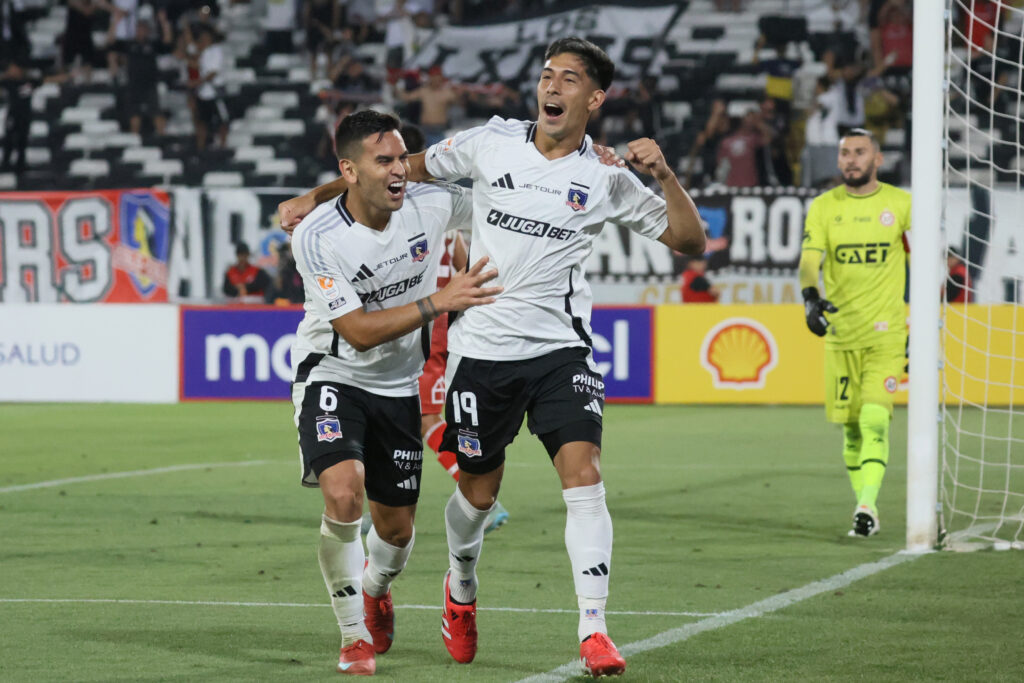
(19, 83)
(958, 282)
(321, 20)
(978, 22)
(140, 95)
(400, 18)
(846, 96)
(647, 107)
(737, 164)
(706, 146)
(243, 280)
(124, 15)
(835, 16)
(775, 168)
(697, 289)
(211, 112)
(436, 97)
(413, 137)
(14, 45)
(895, 46)
(818, 161)
(361, 16)
(279, 24)
(288, 283)
(77, 42)
(779, 69)
(354, 82)
(19, 86)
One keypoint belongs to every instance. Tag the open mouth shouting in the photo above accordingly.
(553, 112)
(396, 190)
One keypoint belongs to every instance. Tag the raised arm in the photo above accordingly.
(685, 231)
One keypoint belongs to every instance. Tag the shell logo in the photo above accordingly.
(739, 353)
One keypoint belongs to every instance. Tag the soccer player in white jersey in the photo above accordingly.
(369, 263)
(540, 197)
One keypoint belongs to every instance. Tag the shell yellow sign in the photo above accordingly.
(738, 353)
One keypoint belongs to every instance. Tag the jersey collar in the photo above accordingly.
(342, 210)
(531, 135)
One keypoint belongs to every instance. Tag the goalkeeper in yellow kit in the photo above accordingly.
(857, 229)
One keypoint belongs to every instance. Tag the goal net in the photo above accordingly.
(981, 441)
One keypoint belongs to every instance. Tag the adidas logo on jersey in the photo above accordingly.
(505, 182)
(410, 484)
(594, 407)
(363, 274)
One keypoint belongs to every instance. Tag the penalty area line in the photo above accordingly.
(131, 473)
(321, 605)
(757, 609)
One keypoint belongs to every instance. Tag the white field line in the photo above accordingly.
(132, 473)
(757, 609)
(323, 605)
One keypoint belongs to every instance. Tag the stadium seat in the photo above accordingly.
(276, 167)
(89, 168)
(253, 153)
(223, 179)
(141, 154)
(280, 99)
(83, 142)
(8, 181)
(163, 168)
(79, 114)
(100, 127)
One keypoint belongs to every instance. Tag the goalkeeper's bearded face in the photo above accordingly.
(859, 160)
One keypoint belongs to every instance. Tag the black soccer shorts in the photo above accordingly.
(340, 422)
(561, 395)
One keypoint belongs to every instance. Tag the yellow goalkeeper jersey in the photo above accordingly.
(862, 238)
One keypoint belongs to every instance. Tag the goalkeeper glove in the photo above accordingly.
(814, 311)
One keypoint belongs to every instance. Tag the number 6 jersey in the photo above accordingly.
(346, 265)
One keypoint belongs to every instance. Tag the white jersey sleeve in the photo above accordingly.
(635, 206)
(327, 287)
(456, 157)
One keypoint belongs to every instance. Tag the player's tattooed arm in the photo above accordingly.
(293, 210)
(364, 330)
(685, 231)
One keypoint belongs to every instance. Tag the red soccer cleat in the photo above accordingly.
(357, 659)
(458, 627)
(380, 621)
(599, 656)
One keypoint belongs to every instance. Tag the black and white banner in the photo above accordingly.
(515, 50)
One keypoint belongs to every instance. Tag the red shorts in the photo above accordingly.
(432, 387)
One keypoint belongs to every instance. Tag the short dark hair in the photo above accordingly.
(413, 136)
(348, 137)
(864, 133)
(596, 62)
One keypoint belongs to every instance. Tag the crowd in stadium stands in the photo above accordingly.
(826, 66)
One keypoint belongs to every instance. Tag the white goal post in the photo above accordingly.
(926, 252)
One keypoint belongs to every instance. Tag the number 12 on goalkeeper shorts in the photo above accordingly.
(465, 402)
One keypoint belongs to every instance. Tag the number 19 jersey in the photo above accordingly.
(536, 219)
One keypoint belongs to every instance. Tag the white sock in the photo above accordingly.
(386, 562)
(341, 563)
(465, 527)
(588, 538)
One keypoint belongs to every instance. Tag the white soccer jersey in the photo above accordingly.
(536, 219)
(346, 265)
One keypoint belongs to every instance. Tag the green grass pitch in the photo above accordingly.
(715, 508)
